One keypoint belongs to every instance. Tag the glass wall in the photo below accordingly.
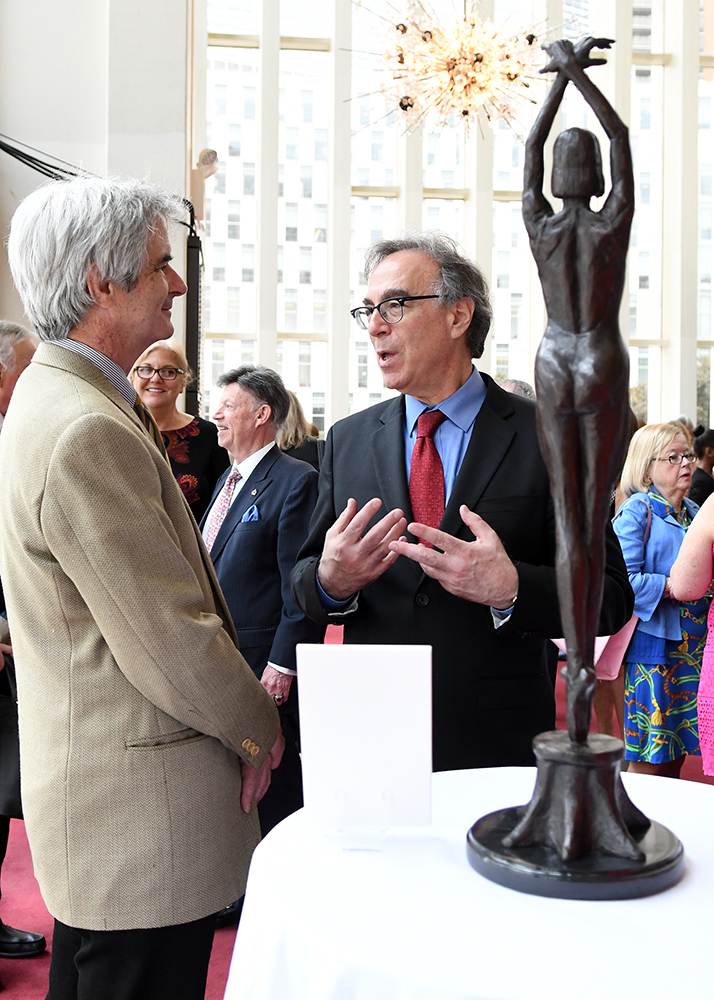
(327, 217)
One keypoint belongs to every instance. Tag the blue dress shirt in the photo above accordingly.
(453, 434)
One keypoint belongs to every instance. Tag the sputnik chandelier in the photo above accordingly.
(463, 70)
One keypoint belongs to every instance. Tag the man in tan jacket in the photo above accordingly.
(145, 738)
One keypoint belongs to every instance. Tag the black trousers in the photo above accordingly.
(163, 963)
(4, 833)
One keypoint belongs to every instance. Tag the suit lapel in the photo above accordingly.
(388, 457)
(491, 438)
(59, 357)
(254, 485)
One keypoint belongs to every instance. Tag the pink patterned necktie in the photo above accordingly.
(426, 479)
(220, 507)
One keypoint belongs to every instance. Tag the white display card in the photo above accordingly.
(365, 725)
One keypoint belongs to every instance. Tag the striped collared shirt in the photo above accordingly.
(108, 367)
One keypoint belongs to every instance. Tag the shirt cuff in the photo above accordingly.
(282, 670)
(500, 617)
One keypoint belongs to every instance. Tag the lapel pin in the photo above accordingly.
(253, 493)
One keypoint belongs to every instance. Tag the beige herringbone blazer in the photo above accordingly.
(136, 709)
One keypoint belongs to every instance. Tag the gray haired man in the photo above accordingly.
(146, 740)
(17, 345)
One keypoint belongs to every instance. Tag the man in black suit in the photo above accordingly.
(254, 529)
(485, 597)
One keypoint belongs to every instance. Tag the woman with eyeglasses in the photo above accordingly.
(663, 661)
(159, 376)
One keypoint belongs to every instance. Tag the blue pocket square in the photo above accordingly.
(251, 514)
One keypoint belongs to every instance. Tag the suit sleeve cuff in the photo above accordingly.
(332, 607)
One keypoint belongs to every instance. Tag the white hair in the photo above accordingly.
(64, 227)
(12, 334)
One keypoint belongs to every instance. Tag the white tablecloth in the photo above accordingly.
(404, 917)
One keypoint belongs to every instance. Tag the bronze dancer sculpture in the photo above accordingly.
(582, 365)
(580, 836)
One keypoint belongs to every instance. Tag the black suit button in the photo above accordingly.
(422, 600)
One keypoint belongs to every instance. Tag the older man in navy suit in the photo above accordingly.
(256, 523)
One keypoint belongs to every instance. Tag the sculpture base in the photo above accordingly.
(580, 837)
(540, 871)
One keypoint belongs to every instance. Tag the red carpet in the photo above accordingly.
(22, 904)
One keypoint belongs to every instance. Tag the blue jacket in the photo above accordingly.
(648, 566)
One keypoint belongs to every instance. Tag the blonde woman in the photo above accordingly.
(159, 376)
(663, 661)
(298, 438)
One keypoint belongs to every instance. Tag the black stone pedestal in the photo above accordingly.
(580, 837)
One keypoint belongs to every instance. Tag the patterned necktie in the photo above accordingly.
(150, 427)
(426, 479)
(220, 507)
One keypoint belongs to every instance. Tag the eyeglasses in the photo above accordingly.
(166, 374)
(676, 458)
(391, 310)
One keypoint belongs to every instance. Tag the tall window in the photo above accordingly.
(233, 220)
(305, 265)
(291, 221)
(305, 363)
(398, 183)
(318, 411)
(306, 101)
(306, 181)
(234, 140)
(290, 310)
(319, 305)
(233, 309)
(219, 178)
(248, 273)
(320, 144)
(320, 224)
(248, 178)
(219, 262)
(362, 358)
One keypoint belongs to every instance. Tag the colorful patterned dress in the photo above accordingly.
(197, 461)
(705, 700)
(662, 677)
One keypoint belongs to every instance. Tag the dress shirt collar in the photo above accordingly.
(249, 464)
(108, 367)
(461, 407)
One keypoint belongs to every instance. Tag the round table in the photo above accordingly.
(402, 916)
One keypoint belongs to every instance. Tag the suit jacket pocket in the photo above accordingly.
(249, 526)
(179, 738)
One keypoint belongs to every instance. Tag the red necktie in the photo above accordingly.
(426, 479)
(220, 507)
